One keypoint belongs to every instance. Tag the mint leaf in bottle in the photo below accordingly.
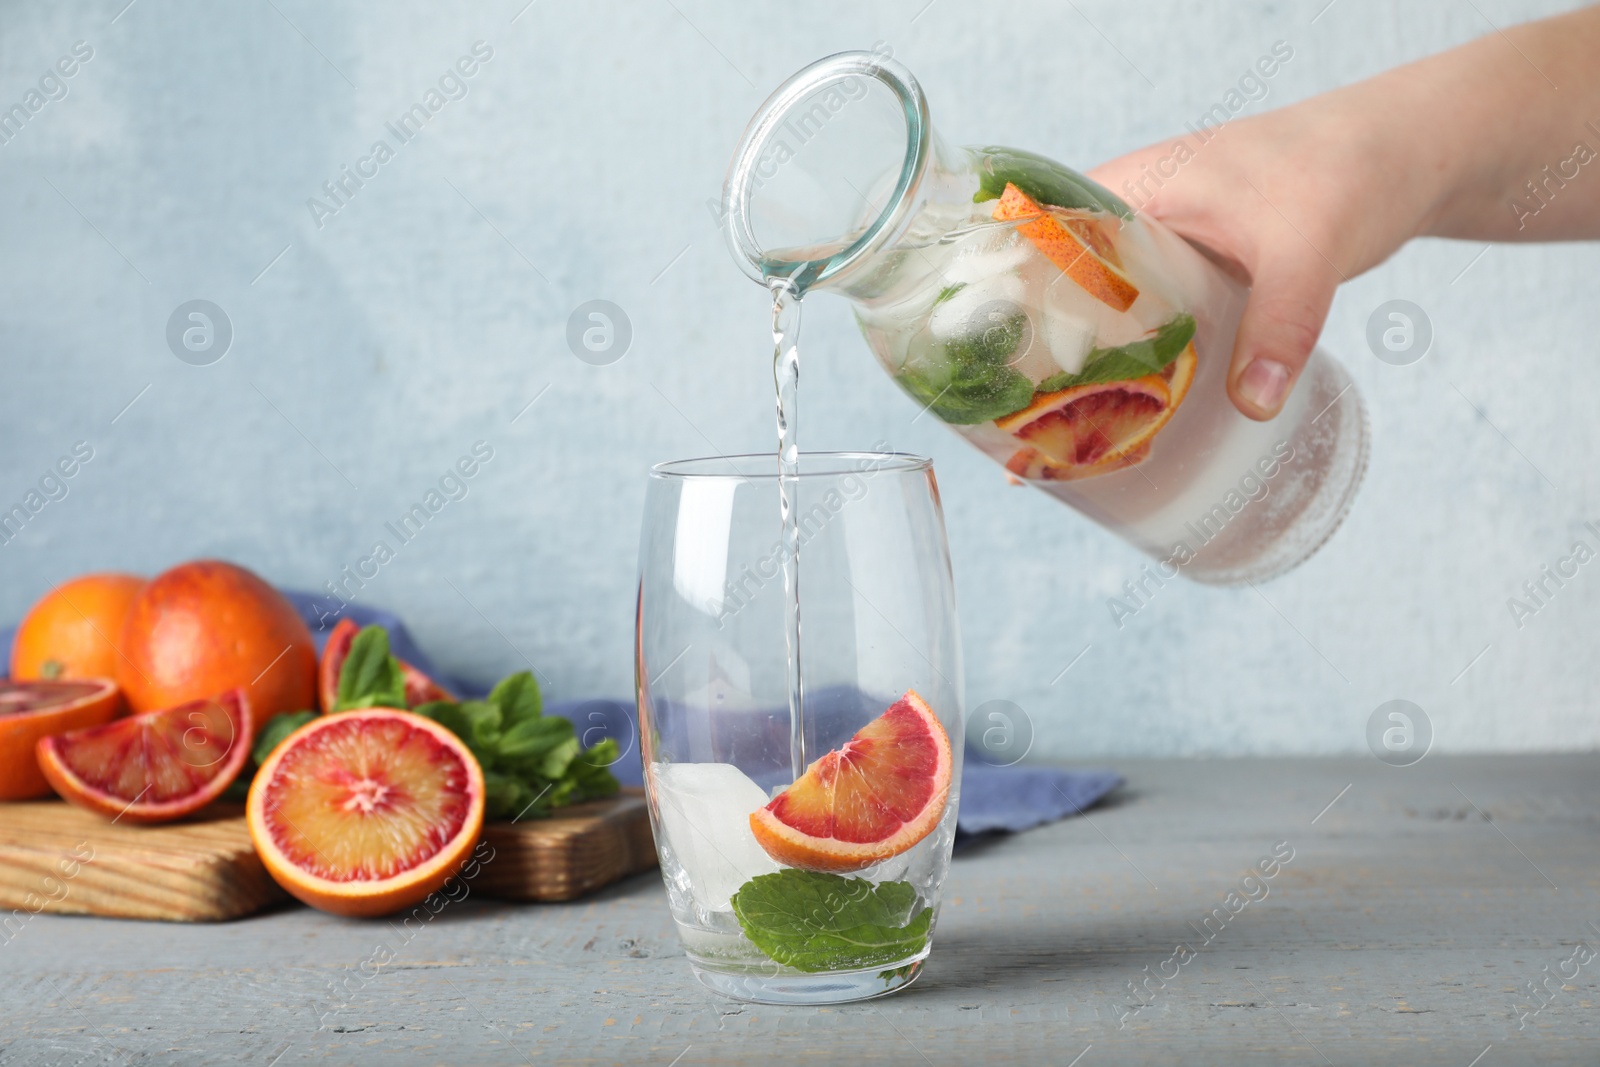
(967, 378)
(1149, 355)
(1044, 180)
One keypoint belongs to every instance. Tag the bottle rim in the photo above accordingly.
(743, 173)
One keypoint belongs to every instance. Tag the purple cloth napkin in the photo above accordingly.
(993, 799)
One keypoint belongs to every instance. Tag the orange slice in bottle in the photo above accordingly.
(874, 797)
(1089, 430)
(1077, 246)
(1033, 465)
(366, 812)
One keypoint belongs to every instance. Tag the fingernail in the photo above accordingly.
(1264, 384)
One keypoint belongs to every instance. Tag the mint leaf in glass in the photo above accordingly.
(825, 922)
(1044, 180)
(1149, 355)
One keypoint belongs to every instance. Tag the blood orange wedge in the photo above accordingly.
(420, 689)
(874, 797)
(156, 766)
(1089, 430)
(1034, 465)
(366, 812)
(1077, 246)
(33, 710)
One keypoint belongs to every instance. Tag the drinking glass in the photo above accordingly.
(878, 621)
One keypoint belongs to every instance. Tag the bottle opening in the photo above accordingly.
(827, 169)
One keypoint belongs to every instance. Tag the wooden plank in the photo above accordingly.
(60, 859)
(576, 851)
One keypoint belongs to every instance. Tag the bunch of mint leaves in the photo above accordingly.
(813, 921)
(532, 763)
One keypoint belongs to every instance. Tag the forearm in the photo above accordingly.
(1498, 140)
(1501, 137)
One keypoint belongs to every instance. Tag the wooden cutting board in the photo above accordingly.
(60, 859)
(574, 852)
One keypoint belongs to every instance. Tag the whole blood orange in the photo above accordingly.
(33, 710)
(208, 626)
(153, 767)
(366, 812)
(420, 689)
(72, 631)
(875, 796)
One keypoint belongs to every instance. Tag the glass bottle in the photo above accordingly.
(1081, 345)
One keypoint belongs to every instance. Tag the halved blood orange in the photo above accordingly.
(874, 797)
(366, 812)
(156, 766)
(1076, 245)
(1089, 430)
(33, 710)
(420, 689)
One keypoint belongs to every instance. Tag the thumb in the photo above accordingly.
(1283, 318)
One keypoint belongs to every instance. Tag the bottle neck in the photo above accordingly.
(940, 202)
(829, 172)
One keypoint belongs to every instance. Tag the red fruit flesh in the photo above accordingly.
(156, 766)
(367, 798)
(874, 797)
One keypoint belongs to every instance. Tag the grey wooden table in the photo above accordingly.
(1419, 910)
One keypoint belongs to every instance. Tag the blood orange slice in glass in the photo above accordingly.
(153, 767)
(366, 812)
(33, 710)
(874, 797)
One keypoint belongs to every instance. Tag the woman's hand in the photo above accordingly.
(1297, 200)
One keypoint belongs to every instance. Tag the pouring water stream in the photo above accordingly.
(786, 379)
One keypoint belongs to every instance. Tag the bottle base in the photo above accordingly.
(1332, 447)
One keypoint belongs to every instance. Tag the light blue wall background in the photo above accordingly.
(428, 312)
